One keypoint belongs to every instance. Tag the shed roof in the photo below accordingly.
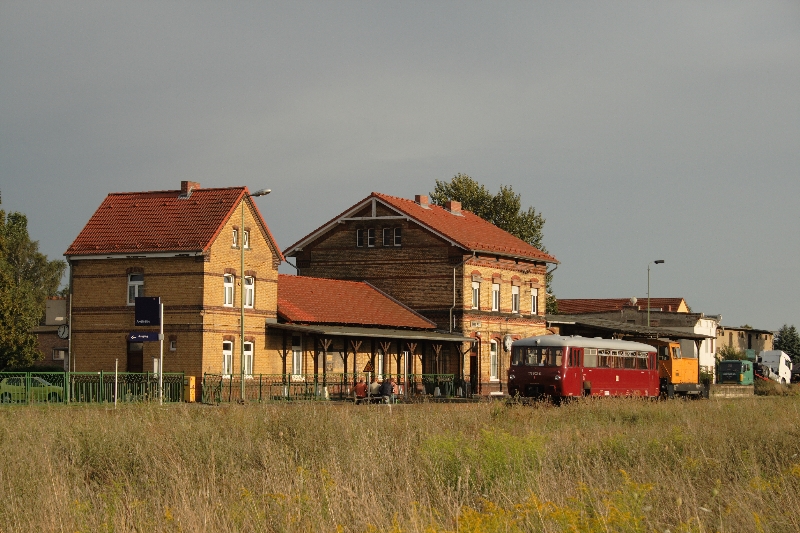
(466, 229)
(161, 221)
(307, 300)
(596, 305)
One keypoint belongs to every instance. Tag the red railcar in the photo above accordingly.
(563, 367)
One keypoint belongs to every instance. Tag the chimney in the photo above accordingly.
(453, 206)
(422, 200)
(187, 187)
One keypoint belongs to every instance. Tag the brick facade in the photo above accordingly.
(425, 272)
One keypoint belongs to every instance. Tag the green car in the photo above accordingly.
(14, 389)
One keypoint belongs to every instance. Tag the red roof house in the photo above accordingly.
(600, 305)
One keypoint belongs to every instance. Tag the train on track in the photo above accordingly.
(563, 367)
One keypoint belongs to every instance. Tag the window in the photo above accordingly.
(228, 285)
(476, 294)
(135, 287)
(493, 363)
(371, 238)
(249, 291)
(297, 356)
(590, 357)
(173, 346)
(156, 360)
(235, 242)
(398, 236)
(59, 354)
(495, 296)
(248, 359)
(515, 299)
(360, 238)
(387, 236)
(246, 239)
(227, 358)
(534, 301)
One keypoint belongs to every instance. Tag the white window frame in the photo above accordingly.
(59, 354)
(246, 239)
(173, 346)
(249, 291)
(493, 361)
(515, 298)
(228, 282)
(135, 287)
(495, 296)
(476, 294)
(534, 301)
(359, 238)
(371, 238)
(235, 238)
(398, 236)
(297, 360)
(248, 359)
(227, 359)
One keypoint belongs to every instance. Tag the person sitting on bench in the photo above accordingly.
(387, 391)
(361, 389)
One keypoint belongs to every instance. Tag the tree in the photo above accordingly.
(27, 278)
(788, 341)
(503, 209)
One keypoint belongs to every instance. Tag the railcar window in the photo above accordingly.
(641, 360)
(531, 357)
(590, 357)
(516, 356)
(676, 352)
(663, 353)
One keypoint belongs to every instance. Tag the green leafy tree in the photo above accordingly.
(27, 278)
(788, 341)
(731, 353)
(503, 209)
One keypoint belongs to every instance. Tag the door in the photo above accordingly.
(573, 376)
(473, 372)
(135, 357)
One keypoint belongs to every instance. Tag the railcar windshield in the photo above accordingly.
(537, 356)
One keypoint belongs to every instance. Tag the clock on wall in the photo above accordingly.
(63, 331)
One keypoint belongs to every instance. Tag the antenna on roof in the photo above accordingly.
(634, 300)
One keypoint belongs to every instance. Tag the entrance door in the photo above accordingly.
(135, 357)
(473, 372)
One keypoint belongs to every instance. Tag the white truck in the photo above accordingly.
(776, 365)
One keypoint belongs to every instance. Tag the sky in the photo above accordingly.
(640, 130)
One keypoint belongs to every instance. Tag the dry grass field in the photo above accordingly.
(607, 465)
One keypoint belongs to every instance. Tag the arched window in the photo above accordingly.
(227, 282)
(493, 361)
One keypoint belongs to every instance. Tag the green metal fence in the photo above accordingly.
(331, 386)
(95, 387)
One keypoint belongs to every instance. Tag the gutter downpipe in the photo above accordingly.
(454, 287)
(68, 386)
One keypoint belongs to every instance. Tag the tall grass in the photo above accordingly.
(608, 465)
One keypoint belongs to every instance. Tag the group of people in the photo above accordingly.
(387, 389)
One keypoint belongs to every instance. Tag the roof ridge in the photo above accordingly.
(199, 189)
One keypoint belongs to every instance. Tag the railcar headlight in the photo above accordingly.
(557, 378)
(511, 376)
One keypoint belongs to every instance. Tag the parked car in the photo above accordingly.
(14, 389)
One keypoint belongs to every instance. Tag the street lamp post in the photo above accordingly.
(262, 192)
(656, 262)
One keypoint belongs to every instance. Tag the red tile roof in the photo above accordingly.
(307, 300)
(468, 230)
(160, 221)
(599, 305)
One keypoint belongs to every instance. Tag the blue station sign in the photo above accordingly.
(143, 336)
(148, 311)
